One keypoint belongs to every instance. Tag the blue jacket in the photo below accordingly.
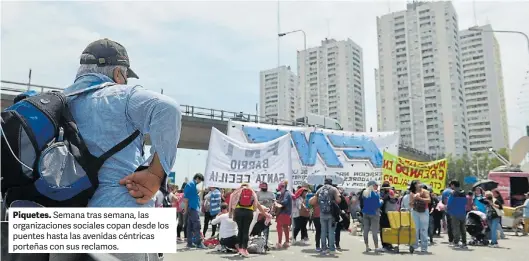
(287, 204)
(107, 116)
(456, 204)
(372, 204)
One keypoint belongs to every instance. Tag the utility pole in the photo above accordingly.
(278, 32)
(29, 79)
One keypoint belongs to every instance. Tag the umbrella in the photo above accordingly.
(318, 178)
(486, 184)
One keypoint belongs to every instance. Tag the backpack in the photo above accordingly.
(246, 198)
(257, 245)
(167, 201)
(361, 199)
(44, 157)
(491, 212)
(325, 200)
(211, 242)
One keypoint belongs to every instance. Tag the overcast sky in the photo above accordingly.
(209, 54)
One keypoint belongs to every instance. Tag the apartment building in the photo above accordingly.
(484, 92)
(277, 95)
(332, 83)
(419, 81)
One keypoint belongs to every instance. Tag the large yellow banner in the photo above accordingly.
(400, 172)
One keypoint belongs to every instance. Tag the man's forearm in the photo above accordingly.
(156, 167)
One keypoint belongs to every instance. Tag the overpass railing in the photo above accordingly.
(188, 110)
(193, 111)
(222, 115)
(22, 87)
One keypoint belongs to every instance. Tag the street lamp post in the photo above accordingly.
(502, 31)
(304, 76)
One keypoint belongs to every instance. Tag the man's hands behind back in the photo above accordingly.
(142, 185)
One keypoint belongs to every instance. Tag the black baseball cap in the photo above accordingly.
(108, 52)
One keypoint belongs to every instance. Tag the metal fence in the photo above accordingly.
(222, 115)
(188, 110)
(22, 87)
(200, 112)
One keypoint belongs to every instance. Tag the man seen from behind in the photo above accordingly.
(444, 198)
(192, 210)
(455, 207)
(107, 110)
(326, 197)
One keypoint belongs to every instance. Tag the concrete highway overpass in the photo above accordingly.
(196, 121)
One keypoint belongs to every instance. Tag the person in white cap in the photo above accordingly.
(371, 213)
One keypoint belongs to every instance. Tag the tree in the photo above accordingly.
(462, 168)
(479, 165)
(458, 168)
(495, 162)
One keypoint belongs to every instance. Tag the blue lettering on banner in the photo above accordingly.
(353, 147)
(317, 145)
(364, 148)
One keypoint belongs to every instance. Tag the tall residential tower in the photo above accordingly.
(277, 95)
(332, 77)
(419, 80)
(484, 94)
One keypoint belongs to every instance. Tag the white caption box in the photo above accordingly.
(92, 230)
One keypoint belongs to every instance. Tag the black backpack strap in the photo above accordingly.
(143, 147)
(124, 143)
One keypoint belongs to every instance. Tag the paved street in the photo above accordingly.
(511, 248)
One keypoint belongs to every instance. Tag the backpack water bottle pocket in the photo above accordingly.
(18, 151)
(61, 176)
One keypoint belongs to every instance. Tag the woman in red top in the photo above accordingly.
(241, 209)
(316, 219)
(178, 204)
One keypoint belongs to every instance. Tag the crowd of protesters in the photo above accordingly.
(329, 210)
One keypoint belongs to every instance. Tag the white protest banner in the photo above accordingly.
(356, 156)
(232, 162)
